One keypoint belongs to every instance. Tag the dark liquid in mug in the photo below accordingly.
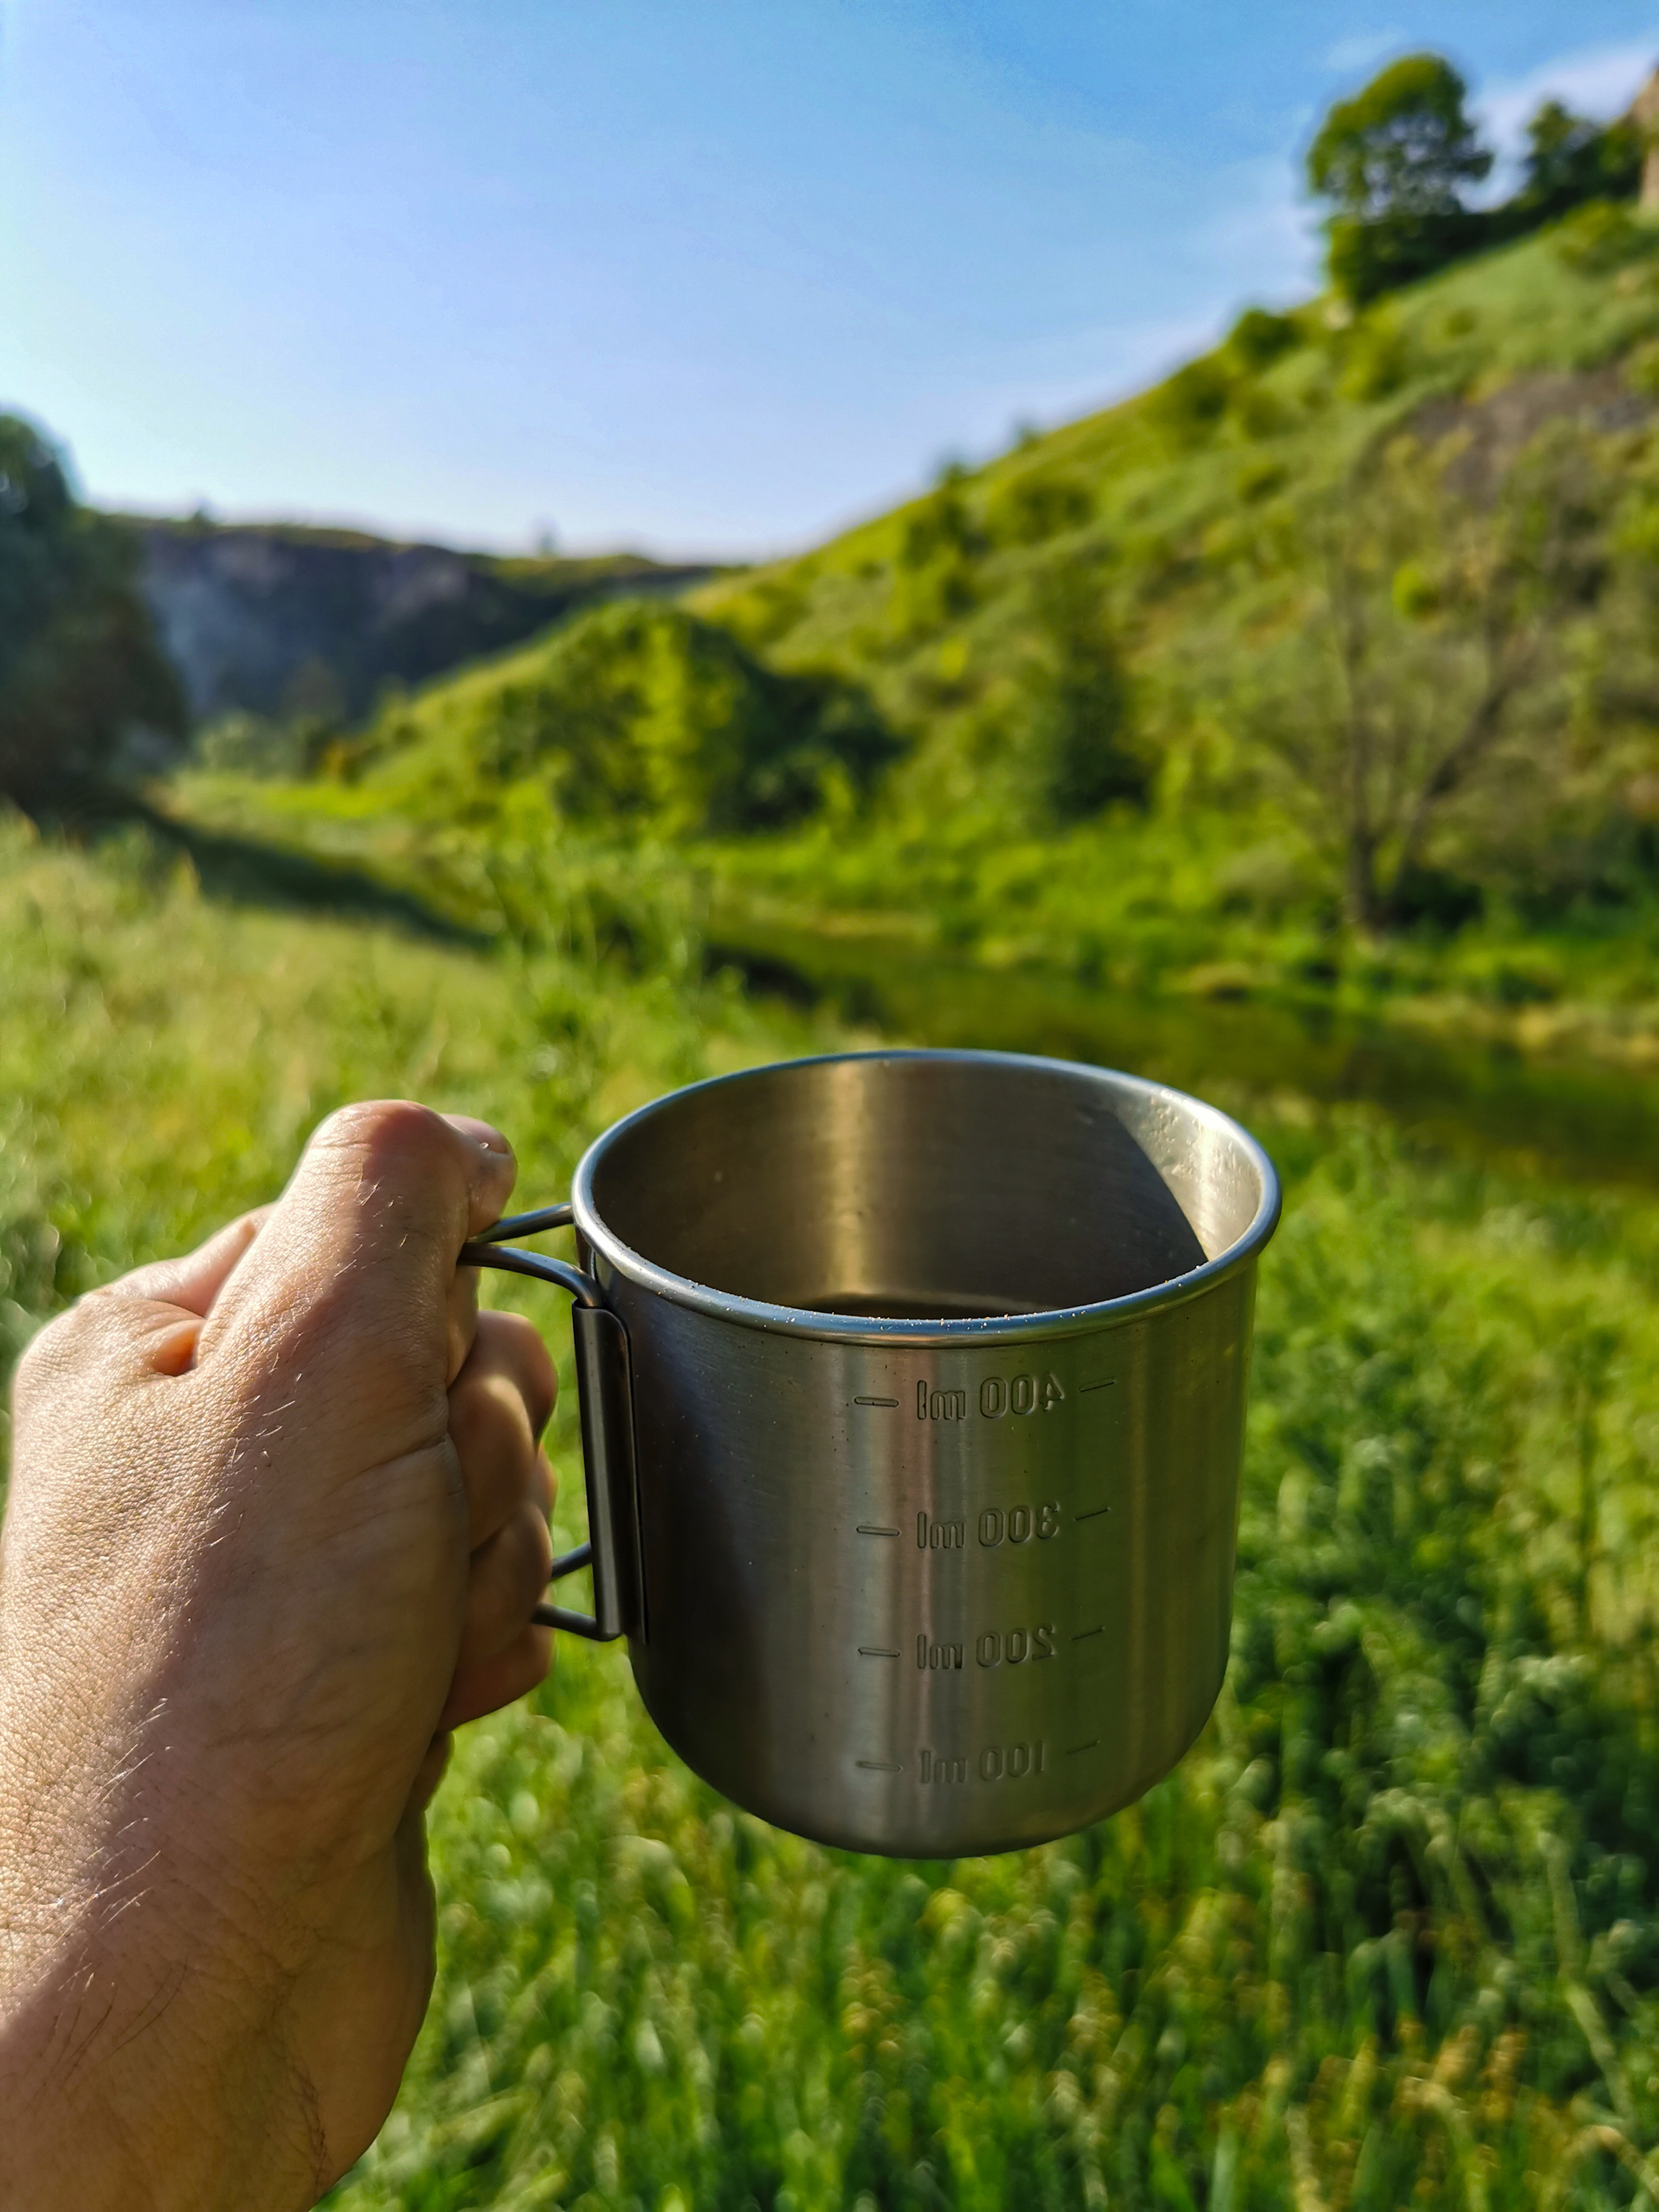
(878, 1305)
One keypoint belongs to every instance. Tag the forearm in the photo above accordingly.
(142, 2059)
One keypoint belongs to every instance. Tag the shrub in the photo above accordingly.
(1035, 506)
(1085, 704)
(1378, 359)
(1367, 260)
(1603, 237)
(1259, 337)
(939, 546)
(1188, 406)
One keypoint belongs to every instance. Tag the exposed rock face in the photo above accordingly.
(1492, 431)
(1644, 114)
(278, 619)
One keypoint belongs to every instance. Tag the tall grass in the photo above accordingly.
(1390, 1934)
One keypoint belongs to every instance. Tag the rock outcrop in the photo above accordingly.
(280, 620)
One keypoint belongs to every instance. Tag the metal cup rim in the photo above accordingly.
(858, 1328)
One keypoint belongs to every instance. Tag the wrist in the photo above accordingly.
(139, 2067)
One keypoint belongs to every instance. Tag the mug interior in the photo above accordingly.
(929, 1186)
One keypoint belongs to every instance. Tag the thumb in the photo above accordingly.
(352, 1279)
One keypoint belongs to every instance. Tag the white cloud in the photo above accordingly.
(1598, 81)
(1348, 55)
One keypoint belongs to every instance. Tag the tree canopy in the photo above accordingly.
(1394, 162)
(1569, 159)
(81, 672)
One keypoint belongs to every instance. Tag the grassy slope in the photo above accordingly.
(1205, 897)
(1392, 1932)
(1199, 896)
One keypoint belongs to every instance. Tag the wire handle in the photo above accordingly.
(605, 1402)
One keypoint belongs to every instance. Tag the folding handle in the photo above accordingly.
(604, 1399)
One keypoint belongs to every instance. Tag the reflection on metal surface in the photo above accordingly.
(937, 1369)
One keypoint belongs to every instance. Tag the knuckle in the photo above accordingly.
(384, 1132)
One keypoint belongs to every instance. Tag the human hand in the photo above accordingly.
(278, 1522)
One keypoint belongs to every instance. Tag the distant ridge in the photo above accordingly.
(282, 619)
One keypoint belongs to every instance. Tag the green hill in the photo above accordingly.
(1193, 539)
(1179, 498)
(1323, 673)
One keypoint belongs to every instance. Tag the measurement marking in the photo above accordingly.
(1110, 1383)
(1094, 1513)
(875, 1651)
(880, 1765)
(864, 1530)
(1083, 1634)
(1077, 1748)
(875, 1401)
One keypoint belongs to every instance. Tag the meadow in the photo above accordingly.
(1390, 1934)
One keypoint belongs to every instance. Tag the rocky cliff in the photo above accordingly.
(279, 619)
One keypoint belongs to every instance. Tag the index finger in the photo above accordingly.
(353, 1273)
(194, 1282)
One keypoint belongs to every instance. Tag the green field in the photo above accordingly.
(1390, 1934)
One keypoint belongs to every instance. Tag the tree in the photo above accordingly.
(82, 675)
(1419, 688)
(1085, 703)
(1394, 161)
(1570, 160)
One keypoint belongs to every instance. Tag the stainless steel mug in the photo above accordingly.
(912, 1390)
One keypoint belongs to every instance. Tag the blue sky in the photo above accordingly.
(710, 276)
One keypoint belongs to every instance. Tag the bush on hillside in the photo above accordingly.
(939, 548)
(1040, 504)
(1188, 406)
(1377, 357)
(1084, 703)
(1259, 337)
(82, 681)
(640, 717)
(1602, 238)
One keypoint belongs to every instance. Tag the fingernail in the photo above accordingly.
(480, 1131)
